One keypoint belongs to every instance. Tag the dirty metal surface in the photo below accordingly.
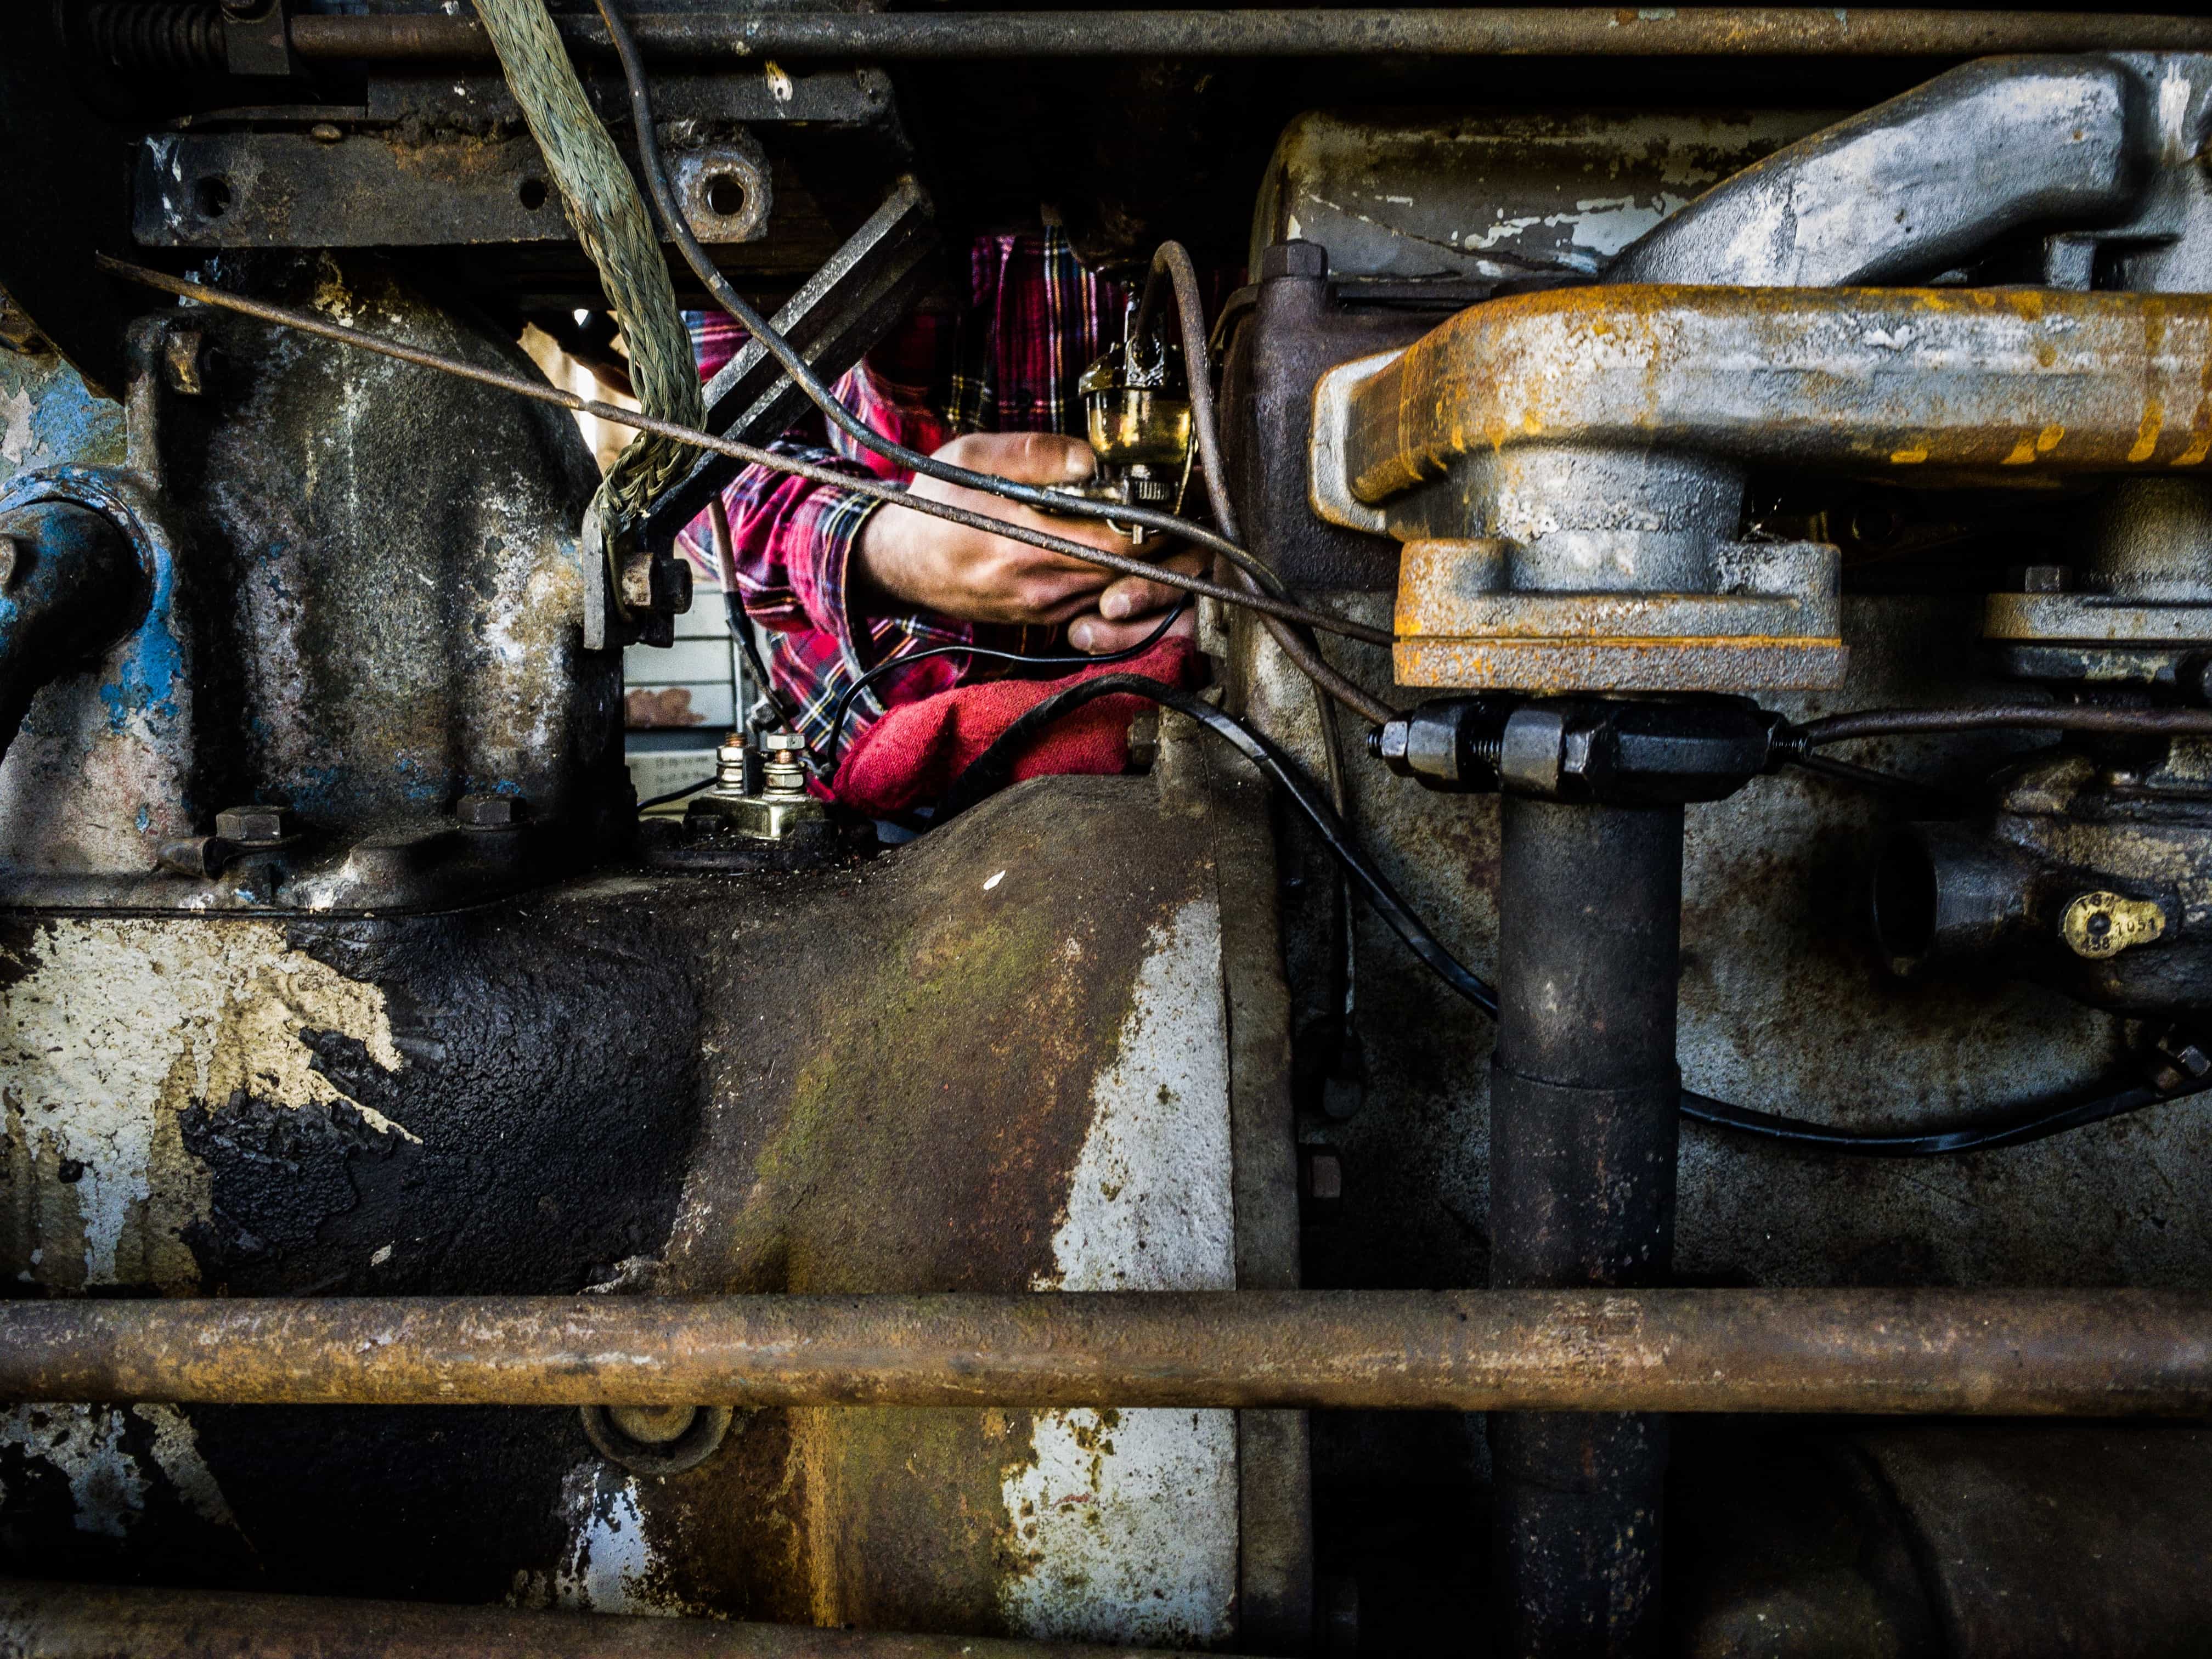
(2006, 386)
(287, 189)
(997, 1059)
(63, 1621)
(1420, 194)
(1786, 1004)
(2058, 1540)
(350, 615)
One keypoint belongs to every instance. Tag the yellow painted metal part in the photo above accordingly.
(2004, 386)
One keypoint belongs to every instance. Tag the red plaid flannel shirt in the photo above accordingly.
(1034, 318)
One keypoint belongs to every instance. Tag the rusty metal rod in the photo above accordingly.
(2012, 1352)
(1515, 31)
(98, 1622)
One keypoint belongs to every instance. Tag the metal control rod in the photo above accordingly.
(99, 1621)
(731, 37)
(2004, 1353)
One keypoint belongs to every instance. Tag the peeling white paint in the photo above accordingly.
(1127, 1522)
(17, 440)
(108, 1483)
(114, 1029)
(609, 1561)
(1150, 1206)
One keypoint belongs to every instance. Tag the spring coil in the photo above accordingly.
(175, 35)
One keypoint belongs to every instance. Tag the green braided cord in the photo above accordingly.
(602, 203)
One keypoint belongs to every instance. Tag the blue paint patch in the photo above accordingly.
(66, 423)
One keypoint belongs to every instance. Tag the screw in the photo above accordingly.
(489, 811)
(326, 132)
(255, 826)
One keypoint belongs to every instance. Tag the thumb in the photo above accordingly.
(1037, 457)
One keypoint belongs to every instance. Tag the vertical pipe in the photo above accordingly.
(1582, 1193)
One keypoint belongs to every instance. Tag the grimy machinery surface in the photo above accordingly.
(1630, 1078)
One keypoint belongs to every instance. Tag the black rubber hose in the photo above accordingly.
(2000, 717)
(993, 768)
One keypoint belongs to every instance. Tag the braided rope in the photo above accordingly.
(602, 203)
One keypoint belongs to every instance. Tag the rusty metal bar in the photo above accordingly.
(98, 1622)
(1517, 30)
(2008, 1352)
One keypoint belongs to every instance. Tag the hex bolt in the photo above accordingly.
(2045, 579)
(489, 811)
(782, 773)
(255, 826)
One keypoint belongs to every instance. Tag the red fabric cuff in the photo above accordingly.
(907, 758)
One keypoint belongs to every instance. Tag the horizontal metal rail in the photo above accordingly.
(1522, 31)
(98, 1622)
(2009, 1352)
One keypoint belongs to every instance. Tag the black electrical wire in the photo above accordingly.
(1998, 717)
(675, 794)
(993, 770)
(2017, 1128)
(802, 373)
(1126, 653)
(538, 390)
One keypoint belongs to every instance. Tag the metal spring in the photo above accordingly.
(166, 34)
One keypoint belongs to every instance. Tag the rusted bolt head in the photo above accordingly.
(252, 826)
(654, 1426)
(183, 362)
(11, 558)
(489, 811)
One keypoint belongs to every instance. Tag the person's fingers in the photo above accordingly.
(1037, 457)
(1094, 635)
(1126, 597)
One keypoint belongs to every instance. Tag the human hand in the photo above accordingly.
(910, 559)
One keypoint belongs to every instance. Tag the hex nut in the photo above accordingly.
(255, 826)
(489, 811)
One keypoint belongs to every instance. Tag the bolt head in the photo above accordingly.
(489, 811)
(782, 743)
(326, 132)
(11, 560)
(250, 826)
(2044, 579)
(1388, 741)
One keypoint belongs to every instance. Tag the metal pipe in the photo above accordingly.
(1516, 31)
(1583, 1094)
(98, 1622)
(2105, 1353)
